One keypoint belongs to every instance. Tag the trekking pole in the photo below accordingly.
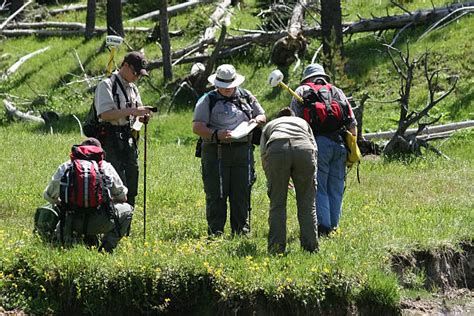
(144, 179)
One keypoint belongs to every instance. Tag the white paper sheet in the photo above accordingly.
(242, 130)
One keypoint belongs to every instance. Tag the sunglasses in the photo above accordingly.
(134, 72)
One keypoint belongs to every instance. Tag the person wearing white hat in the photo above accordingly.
(227, 163)
(328, 129)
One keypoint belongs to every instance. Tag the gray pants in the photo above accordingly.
(98, 222)
(283, 159)
(228, 177)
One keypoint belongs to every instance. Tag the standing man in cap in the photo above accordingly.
(118, 105)
(227, 163)
(328, 133)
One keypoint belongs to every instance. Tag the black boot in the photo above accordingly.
(323, 231)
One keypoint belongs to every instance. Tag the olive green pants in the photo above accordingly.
(283, 159)
(227, 176)
(76, 225)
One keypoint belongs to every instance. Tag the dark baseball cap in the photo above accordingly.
(91, 141)
(138, 61)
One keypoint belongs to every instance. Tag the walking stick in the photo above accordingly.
(144, 179)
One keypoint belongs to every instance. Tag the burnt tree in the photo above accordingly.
(403, 143)
(114, 18)
(165, 41)
(90, 18)
(331, 26)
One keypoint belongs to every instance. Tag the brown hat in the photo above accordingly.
(138, 61)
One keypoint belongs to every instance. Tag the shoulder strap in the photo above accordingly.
(325, 94)
(114, 90)
(342, 103)
(213, 97)
(244, 95)
(119, 83)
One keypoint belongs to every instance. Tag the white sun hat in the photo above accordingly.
(226, 77)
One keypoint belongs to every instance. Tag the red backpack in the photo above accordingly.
(324, 109)
(83, 185)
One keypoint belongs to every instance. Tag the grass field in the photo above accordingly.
(399, 206)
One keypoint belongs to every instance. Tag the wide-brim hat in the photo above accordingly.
(315, 70)
(226, 77)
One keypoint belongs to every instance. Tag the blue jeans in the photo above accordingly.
(330, 175)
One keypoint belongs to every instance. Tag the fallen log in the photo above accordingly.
(418, 17)
(371, 25)
(15, 14)
(215, 18)
(427, 131)
(23, 59)
(68, 8)
(173, 10)
(71, 31)
(14, 112)
(44, 25)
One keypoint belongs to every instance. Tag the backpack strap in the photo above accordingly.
(344, 106)
(325, 95)
(244, 96)
(213, 98)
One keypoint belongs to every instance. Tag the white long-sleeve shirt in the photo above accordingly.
(118, 190)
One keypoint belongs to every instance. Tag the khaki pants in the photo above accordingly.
(283, 159)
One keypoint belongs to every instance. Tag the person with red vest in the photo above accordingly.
(91, 198)
(329, 113)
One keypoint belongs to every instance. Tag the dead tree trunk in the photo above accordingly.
(90, 18)
(173, 10)
(14, 14)
(331, 25)
(68, 8)
(265, 38)
(201, 81)
(165, 41)
(429, 130)
(402, 143)
(114, 18)
(289, 48)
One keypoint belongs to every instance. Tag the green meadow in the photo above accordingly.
(399, 206)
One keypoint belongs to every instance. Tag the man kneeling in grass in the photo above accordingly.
(91, 198)
(288, 149)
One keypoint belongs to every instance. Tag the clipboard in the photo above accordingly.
(242, 130)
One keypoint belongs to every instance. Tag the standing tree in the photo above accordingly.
(90, 18)
(331, 26)
(114, 18)
(165, 41)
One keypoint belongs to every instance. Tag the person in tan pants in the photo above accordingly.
(288, 149)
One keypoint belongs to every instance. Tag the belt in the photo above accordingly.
(122, 132)
(232, 144)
